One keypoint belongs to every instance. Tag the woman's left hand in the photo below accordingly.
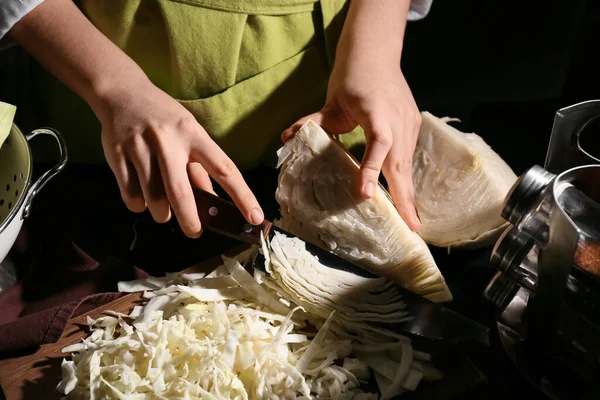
(367, 88)
(380, 101)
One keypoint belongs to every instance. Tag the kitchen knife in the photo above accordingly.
(431, 320)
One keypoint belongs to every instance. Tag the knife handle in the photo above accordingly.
(223, 217)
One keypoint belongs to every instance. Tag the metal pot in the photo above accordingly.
(547, 288)
(17, 190)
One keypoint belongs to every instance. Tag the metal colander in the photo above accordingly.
(15, 173)
(16, 188)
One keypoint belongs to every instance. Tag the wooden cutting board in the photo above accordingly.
(35, 376)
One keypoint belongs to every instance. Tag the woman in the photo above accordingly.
(187, 89)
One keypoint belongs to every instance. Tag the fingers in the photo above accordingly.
(161, 175)
(179, 191)
(377, 130)
(199, 177)
(398, 171)
(379, 142)
(151, 182)
(391, 139)
(329, 118)
(402, 190)
(291, 131)
(128, 182)
(224, 171)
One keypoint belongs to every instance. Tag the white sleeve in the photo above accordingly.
(418, 9)
(11, 11)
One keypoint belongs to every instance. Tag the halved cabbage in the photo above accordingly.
(320, 204)
(460, 186)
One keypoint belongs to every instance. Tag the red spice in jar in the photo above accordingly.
(587, 256)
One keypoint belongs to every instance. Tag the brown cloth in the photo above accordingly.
(36, 310)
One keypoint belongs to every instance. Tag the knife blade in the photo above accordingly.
(431, 320)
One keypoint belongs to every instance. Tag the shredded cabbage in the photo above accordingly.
(227, 336)
(321, 290)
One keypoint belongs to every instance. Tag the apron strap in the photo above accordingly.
(256, 7)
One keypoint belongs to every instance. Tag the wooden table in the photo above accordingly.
(35, 375)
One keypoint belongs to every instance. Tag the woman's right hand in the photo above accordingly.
(157, 151)
(154, 146)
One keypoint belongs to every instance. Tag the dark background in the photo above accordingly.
(504, 68)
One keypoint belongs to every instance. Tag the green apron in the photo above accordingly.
(245, 69)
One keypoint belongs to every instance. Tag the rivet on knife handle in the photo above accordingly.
(223, 217)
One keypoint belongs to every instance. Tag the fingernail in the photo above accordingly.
(369, 189)
(256, 216)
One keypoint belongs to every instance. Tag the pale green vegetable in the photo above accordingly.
(321, 290)
(319, 203)
(7, 115)
(245, 280)
(68, 370)
(178, 347)
(460, 186)
(311, 350)
(151, 283)
(192, 340)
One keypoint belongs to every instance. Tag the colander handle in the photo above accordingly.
(46, 176)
